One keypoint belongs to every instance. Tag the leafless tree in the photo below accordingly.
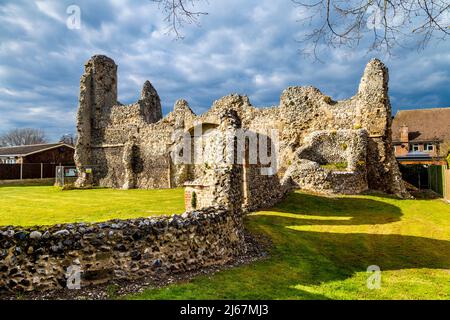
(179, 13)
(23, 136)
(386, 24)
(383, 24)
(68, 138)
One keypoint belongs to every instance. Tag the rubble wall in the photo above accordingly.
(132, 145)
(41, 258)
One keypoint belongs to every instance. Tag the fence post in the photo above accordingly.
(21, 170)
(169, 174)
(447, 184)
(42, 171)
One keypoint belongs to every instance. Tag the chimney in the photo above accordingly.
(404, 134)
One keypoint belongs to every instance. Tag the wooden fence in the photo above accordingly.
(436, 178)
(27, 171)
(447, 184)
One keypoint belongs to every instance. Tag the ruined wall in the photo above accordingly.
(132, 146)
(331, 162)
(221, 182)
(106, 129)
(374, 114)
(39, 258)
(306, 109)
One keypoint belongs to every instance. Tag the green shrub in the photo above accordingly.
(194, 200)
(335, 166)
(327, 99)
(111, 291)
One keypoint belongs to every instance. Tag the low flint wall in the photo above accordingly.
(40, 258)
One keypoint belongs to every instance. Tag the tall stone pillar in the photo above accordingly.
(229, 173)
(98, 93)
(374, 114)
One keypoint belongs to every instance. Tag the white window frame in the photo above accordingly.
(427, 147)
(415, 145)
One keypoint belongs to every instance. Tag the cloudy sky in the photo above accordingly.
(248, 47)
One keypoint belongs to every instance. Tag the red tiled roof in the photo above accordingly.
(423, 124)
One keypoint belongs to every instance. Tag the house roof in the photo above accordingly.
(21, 151)
(423, 124)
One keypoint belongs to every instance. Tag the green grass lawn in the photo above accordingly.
(46, 205)
(322, 247)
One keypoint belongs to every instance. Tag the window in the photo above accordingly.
(428, 147)
(415, 147)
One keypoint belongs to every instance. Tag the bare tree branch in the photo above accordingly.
(390, 23)
(69, 138)
(25, 136)
(382, 24)
(179, 13)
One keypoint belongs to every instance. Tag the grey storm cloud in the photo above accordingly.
(247, 47)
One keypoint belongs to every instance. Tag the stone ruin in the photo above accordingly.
(332, 161)
(321, 145)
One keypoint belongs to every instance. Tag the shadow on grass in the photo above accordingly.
(340, 211)
(310, 258)
(304, 264)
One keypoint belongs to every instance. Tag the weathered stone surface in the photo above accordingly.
(35, 235)
(212, 236)
(313, 169)
(133, 146)
(150, 103)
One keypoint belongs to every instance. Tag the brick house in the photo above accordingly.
(421, 136)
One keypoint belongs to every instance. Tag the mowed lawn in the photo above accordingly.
(323, 246)
(46, 205)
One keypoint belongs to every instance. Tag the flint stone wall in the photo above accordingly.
(38, 258)
(107, 130)
(309, 170)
